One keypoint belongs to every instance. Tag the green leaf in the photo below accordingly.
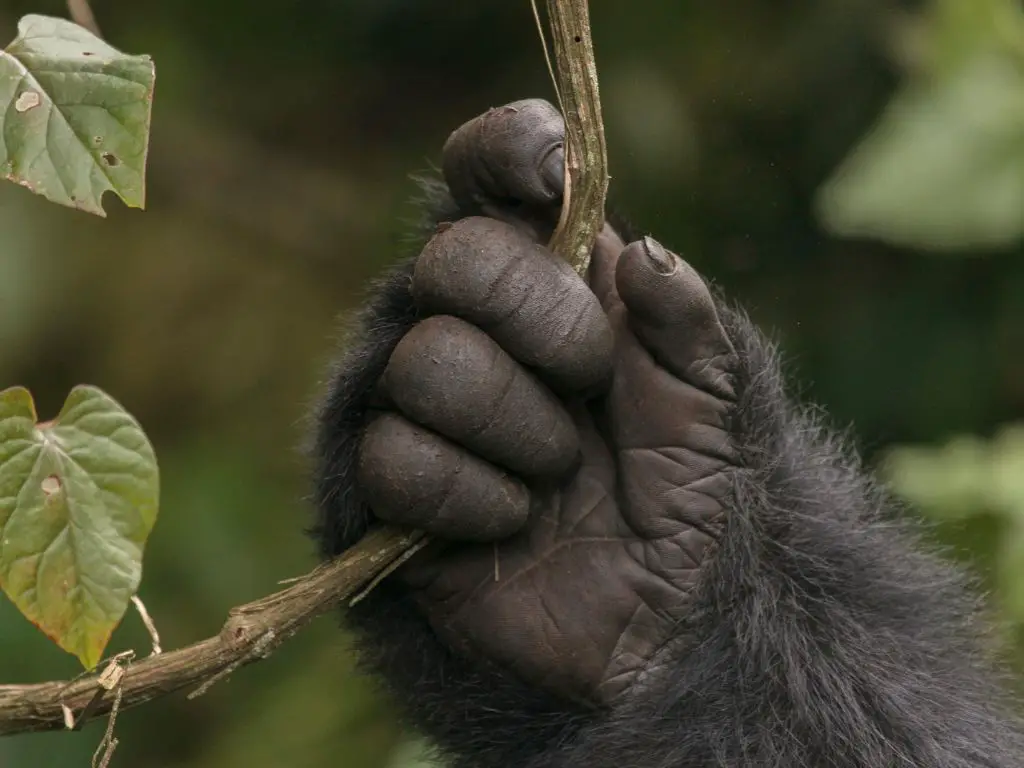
(1008, 471)
(1009, 570)
(950, 482)
(74, 115)
(964, 477)
(78, 499)
(954, 32)
(943, 168)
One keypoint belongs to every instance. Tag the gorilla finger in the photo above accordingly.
(672, 312)
(413, 477)
(509, 155)
(522, 295)
(453, 378)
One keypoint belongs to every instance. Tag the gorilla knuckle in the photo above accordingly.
(457, 265)
(530, 302)
(414, 477)
(453, 378)
(508, 153)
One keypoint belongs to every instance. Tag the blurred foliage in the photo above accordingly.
(967, 483)
(944, 166)
(282, 142)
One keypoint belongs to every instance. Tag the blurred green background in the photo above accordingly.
(852, 170)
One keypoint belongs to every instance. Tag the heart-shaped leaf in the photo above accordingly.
(74, 115)
(78, 499)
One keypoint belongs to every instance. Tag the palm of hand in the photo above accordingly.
(574, 525)
(579, 599)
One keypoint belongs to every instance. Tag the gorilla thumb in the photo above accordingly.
(673, 314)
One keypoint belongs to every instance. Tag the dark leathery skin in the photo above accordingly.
(602, 407)
(527, 299)
(418, 478)
(452, 377)
(713, 581)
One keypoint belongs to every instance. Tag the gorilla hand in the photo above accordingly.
(645, 554)
(578, 524)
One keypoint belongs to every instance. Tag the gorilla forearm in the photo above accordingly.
(826, 634)
(821, 631)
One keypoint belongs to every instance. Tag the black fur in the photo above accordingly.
(826, 636)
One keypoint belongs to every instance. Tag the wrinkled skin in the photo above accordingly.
(645, 553)
(582, 522)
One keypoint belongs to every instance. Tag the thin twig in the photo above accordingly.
(105, 749)
(547, 53)
(242, 641)
(586, 156)
(81, 13)
(399, 561)
(111, 676)
(147, 620)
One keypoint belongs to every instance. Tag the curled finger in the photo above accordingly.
(414, 477)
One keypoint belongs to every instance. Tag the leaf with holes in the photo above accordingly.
(74, 115)
(78, 499)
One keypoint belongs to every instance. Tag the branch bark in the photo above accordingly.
(81, 13)
(252, 631)
(586, 157)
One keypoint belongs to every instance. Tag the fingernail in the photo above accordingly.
(664, 263)
(552, 168)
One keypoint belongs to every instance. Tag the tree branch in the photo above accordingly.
(586, 158)
(252, 631)
(81, 13)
